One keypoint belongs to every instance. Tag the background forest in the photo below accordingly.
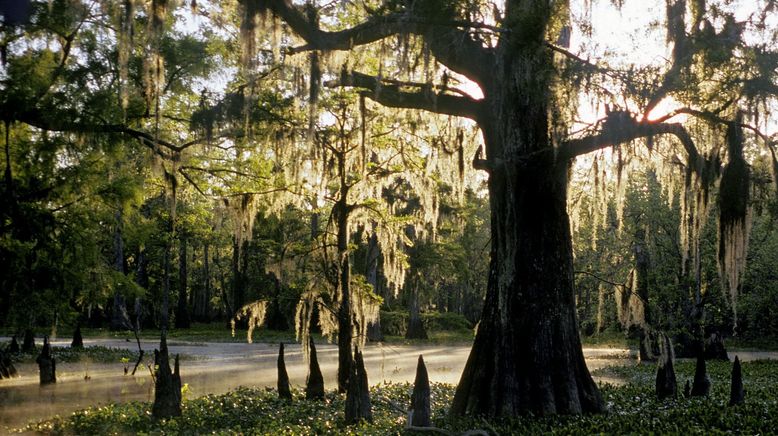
(513, 177)
(182, 154)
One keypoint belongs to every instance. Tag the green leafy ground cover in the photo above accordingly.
(633, 410)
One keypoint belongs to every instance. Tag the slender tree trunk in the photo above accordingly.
(374, 333)
(237, 284)
(182, 311)
(206, 301)
(165, 309)
(120, 320)
(223, 282)
(344, 309)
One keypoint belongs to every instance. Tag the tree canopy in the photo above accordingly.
(270, 147)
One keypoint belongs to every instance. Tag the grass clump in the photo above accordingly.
(633, 408)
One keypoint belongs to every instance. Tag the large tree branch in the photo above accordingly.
(621, 128)
(452, 45)
(61, 123)
(424, 99)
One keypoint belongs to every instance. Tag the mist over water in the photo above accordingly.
(215, 368)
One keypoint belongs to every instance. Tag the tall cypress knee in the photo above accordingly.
(701, 386)
(167, 389)
(28, 346)
(420, 398)
(283, 377)
(14, 347)
(7, 369)
(314, 384)
(47, 364)
(666, 385)
(358, 405)
(737, 395)
(78, 340)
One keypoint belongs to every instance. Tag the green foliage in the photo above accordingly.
(395, 323)
(633, 408)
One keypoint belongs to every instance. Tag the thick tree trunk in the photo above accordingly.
(527, 353)
(182, 309)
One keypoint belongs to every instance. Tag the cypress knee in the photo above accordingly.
(7, 369)
(167, 388)
(283, 377)
(666, 385)
(314, 384)
(715, 349)
(47, 364)
(78, 341)
(28, 346)
(420, 398)
(701, 386)
(737, 395)
(358, 405)
(14, 347)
